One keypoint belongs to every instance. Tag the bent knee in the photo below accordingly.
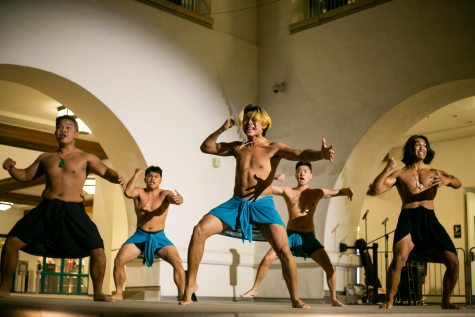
(268, 259)
(284, 252)
(199, 232)
(176, 263)
(453, 265)
(119, 262)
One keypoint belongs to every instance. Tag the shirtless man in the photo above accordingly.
(252, 204)
(59, 227)
(301, 204)
(417, 185)
(151, 207)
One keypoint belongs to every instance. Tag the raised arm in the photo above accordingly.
(288, 153)
(444, 179)
(210, 146)
(96, 166)
(175, 200)
(384, 182)
(30, 173)
(329, 193)
(131, 191)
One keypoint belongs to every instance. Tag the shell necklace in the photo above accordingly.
(61, 163)
(247, 143)
(416, 176)
(306, 205)
(149, 200)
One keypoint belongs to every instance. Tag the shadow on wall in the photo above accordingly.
(233, 271)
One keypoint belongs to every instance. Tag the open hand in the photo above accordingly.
(280, 177)
(327, 152)
(138, 171)
(229, 123)
(8, 164)
(348, 192)
(121, 181)
(178, 199)
(391, 164)
(439, 180)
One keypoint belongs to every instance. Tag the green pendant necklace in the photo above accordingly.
(61, 163)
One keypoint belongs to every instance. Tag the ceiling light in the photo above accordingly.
(82, 127)
(90, 186)
(5, 205)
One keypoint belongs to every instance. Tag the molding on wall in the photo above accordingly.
(181, 12)
(334, 14)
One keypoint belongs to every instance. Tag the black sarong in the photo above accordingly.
(58, 229)
(426, 231)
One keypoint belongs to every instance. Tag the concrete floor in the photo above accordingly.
(28, 306)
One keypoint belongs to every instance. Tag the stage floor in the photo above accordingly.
(29, 306)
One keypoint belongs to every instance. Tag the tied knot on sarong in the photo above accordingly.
(149, 252)
(296, 245)
(54, 217)
(422, 224)
(245, 219)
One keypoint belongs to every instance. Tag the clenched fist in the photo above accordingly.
(391, 164)
(8, 164)
(229, 123)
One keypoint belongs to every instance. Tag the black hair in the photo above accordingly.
(305, 164)
(68, 117)
(252, 108)
(155, 169)
(409, 152)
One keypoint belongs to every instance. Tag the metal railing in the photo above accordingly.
(202, 7)
(433, 286)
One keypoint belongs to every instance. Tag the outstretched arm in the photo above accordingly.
(30, 173)
(329, 193)
(175, 200)
(210, 146)
(444, 179)
(131, 191)
(288, 153)
(384, 182)
(96, 166)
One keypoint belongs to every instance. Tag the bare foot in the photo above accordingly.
(336, 302)
(299, 304)
(386, 305)
(4, 294)
(189, 290)
(250, 293)
(103, 298)
(117, 296)
(451, 306)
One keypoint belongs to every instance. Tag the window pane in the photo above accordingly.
(71, 266)
(84, 284)
(52, 284)
(85, 266)
(53, 265)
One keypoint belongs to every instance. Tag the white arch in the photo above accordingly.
(374, 145)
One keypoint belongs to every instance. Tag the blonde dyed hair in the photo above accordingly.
(258, 114)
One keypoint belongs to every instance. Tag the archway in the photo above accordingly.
(375, 145)
(120, 147)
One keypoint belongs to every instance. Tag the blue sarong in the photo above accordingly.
(303, 244)
(242, 215)
(153, 243)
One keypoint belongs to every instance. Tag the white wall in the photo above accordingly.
(169, 81)
(341, 77)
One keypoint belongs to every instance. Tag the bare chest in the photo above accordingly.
(301, 204)
(258, 158)
(414, 180)
(74, 167)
